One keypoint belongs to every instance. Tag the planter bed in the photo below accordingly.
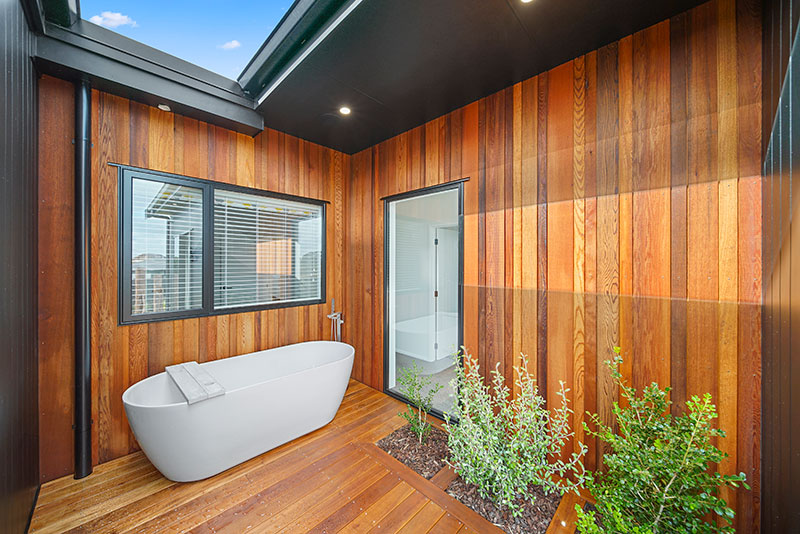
(426, 459)
(429, 458)
(534, 519)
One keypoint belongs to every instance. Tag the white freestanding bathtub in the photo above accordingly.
(416, 337)
(271, 397)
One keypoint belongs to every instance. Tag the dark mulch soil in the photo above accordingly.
(426, 459)
(534, 519)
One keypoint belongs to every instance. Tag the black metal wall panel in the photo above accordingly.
(18, 366)
(781, 270)
(779, 27)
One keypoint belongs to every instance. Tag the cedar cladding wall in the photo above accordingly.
(130, 133)
(613, 200)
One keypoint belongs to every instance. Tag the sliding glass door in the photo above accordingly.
(423, 287)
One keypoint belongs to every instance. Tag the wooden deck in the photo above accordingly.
(332, 480)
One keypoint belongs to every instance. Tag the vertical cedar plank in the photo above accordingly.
(482, 337)
(651, 287)
(590, 260)
(138, 335)
(56, 325)
(651, 206)
(366, 258)
(748, 391)
(516, 249)
(379, 189)
(495, 233)
(160, 151)
(528, 242)
(748, 93)
(679, 179)
(607, 228)
(651, 118)
(702, 204)
(469, 166)
(702, 288)
(728, 173)
(109, 343)
(508, 252)
(541, 238)
(626, 207)
(560, 133)
(560, 299)
(579, 246)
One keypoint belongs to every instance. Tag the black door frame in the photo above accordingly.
(457, 185)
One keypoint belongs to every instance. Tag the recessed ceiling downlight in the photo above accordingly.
(344, 110)
(164, 107)
(526, 1)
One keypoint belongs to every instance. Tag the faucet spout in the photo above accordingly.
(336, 322)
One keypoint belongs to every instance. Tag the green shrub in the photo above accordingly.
(658, 477)
(503, 445)
(420, 390)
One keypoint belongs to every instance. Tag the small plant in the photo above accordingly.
(420, 390)
(504, 445)
(658, 478)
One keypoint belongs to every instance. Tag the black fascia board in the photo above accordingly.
(108, 43)
(130, 69)
(297, 27)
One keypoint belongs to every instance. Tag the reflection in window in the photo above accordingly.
(167, 247)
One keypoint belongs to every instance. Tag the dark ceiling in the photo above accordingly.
(399, 63)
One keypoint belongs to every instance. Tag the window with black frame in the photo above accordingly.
(191, 248)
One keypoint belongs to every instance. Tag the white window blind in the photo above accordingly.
(167, 247)
(412, 245)
(266, 250)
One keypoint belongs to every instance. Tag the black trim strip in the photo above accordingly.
(200, 182)
(33, 508)
(424, 190)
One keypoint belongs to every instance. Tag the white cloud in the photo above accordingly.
(230, 45)
(113, 20)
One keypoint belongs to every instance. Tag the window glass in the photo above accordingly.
(167, 247)
(266, 250)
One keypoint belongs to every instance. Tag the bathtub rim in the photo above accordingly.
(126, 401)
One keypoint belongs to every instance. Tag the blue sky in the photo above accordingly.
(220, 35)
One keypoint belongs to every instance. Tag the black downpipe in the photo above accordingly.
(83, 214)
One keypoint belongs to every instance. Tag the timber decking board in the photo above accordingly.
(332, 480)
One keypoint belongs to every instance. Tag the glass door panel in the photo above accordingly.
(423, 289)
